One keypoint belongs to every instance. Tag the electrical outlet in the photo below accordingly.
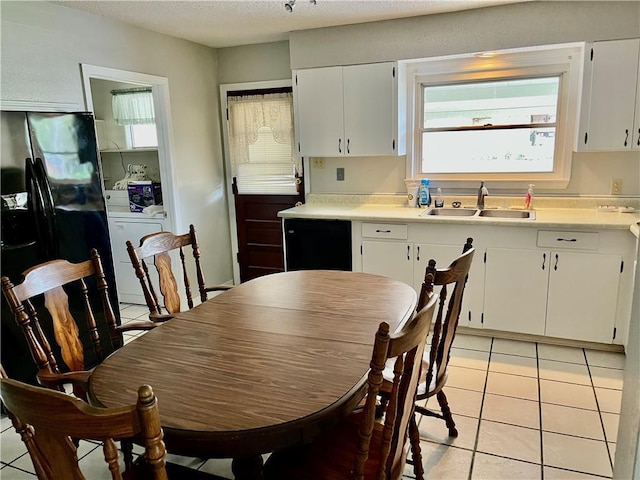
(318, 163)
(340, 174)
(616, 186)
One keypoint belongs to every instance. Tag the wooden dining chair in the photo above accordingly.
(436, 362)
(360, 447)
(67, 289)
(155, 248)
(48, 421)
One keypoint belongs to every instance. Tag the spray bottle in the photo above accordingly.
(528, 200)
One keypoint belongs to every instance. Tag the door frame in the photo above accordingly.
(162, 106)
(224, 89)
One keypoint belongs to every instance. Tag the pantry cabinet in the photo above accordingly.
(611, 101)
(348, 111)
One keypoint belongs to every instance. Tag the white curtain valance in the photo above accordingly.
(133, 106)
(250, 113)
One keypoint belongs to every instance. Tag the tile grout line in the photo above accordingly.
(595, 395)
(484, 391)
(540, 414)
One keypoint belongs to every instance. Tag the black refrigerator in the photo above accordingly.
(53, 207)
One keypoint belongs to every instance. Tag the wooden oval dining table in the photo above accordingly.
(264, 366)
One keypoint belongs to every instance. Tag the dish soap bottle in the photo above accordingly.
(425, 197)
(528, 200)
(439, 201)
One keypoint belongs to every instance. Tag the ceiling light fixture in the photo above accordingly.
(288, 5)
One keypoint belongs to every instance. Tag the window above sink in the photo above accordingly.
(509, 118)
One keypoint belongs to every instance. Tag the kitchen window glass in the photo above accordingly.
(490, 126)
(509, 119)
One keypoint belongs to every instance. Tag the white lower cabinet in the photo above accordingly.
(560, 284)
(407, 261)
(391, 259)
(583, 294)
(515, 290)
(121, 230)
(554, 293)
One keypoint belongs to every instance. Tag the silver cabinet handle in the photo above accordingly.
(626, 137)
(544, 260)
(555, 267)
(340, 145)
(383, 231)
(418, 253)
(408, 252)
(566, 239)
(348, 142)
(638, 138)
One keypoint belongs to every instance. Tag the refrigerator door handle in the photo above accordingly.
(42, 204)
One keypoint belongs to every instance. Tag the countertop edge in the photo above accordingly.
(545, 218)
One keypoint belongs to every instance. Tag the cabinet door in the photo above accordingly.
(613, 95)
(391, 259)
(370, 109)
(444, 255)
(128, 285)
(319, 111)
(515, 296)
(583, 293)
(636, 125)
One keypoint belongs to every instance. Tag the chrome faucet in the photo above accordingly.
(482, 192)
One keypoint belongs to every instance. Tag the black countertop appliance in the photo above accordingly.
(317, 244)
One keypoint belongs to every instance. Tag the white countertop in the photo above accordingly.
(574, 218)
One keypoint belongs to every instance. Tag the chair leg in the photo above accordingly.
(446, 413)
(127, 451)
(416, 451)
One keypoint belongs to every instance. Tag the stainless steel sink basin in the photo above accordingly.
(474, 212)
(508, 214)
(450, 212)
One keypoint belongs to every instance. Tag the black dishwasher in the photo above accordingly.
(317, 244)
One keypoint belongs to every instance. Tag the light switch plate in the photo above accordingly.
(340, 174)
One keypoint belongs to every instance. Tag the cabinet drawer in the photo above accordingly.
(568, 240)
(384, 230)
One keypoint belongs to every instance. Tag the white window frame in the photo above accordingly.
(567, 60)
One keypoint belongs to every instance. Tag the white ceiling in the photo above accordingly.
(225, 23)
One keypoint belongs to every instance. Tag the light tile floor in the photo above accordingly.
(523, 410)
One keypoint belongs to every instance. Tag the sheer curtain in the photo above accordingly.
(261, 143)
(133, 106)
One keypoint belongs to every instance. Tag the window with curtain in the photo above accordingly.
(261, 143)
(133, 109)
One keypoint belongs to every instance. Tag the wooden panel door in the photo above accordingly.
(260, 246)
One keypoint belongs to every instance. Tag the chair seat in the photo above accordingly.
(330, 457)
(423, 392)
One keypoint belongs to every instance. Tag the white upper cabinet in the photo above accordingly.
(611, 101)
(348, 111)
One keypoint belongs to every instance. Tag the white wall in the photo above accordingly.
(491, 28)
(254, 63)
(42, 48)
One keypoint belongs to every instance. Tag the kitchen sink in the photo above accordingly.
(474, 212)
(508, 214)
(450, 212)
